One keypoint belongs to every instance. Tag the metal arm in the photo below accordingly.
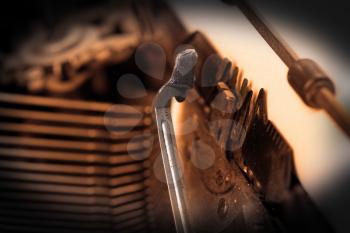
(181, 80)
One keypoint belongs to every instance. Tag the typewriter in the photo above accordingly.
(80, 148)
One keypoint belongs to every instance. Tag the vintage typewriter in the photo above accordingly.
(80, 150)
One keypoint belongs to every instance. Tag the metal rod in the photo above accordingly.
(281, 48)
(335, 110)
(325, 99)
(181, 80)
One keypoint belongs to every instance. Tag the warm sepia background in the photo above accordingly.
(316, 29)
(322, 152)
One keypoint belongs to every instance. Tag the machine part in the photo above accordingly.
(245, 121)
(218, 194)
(287, 55)
(181, 80)
(76, 164)
(62, 168)
(269, 169)
(312, 85)
(207, 65)
(223, 106)
(306, 77)
(63, 58)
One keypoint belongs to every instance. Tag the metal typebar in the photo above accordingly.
(71, 118)
(181, 80)
(57, 157)
(51, 199)
(73, 190)
(135, 223)
(69, 104)
(128, 215)
(135, 229)
(71, 169)
(79, 209)
(116, 148)
(82, 218)
(25, 205)
(71, 199)
(54, 223)
(71, 180)
(49, 188)
(69, 131)
(128, 207)
(33, 229)
(21, 225)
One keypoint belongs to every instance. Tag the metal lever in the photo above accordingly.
(181, 80)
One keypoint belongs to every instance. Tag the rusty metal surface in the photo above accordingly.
(219, 195)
